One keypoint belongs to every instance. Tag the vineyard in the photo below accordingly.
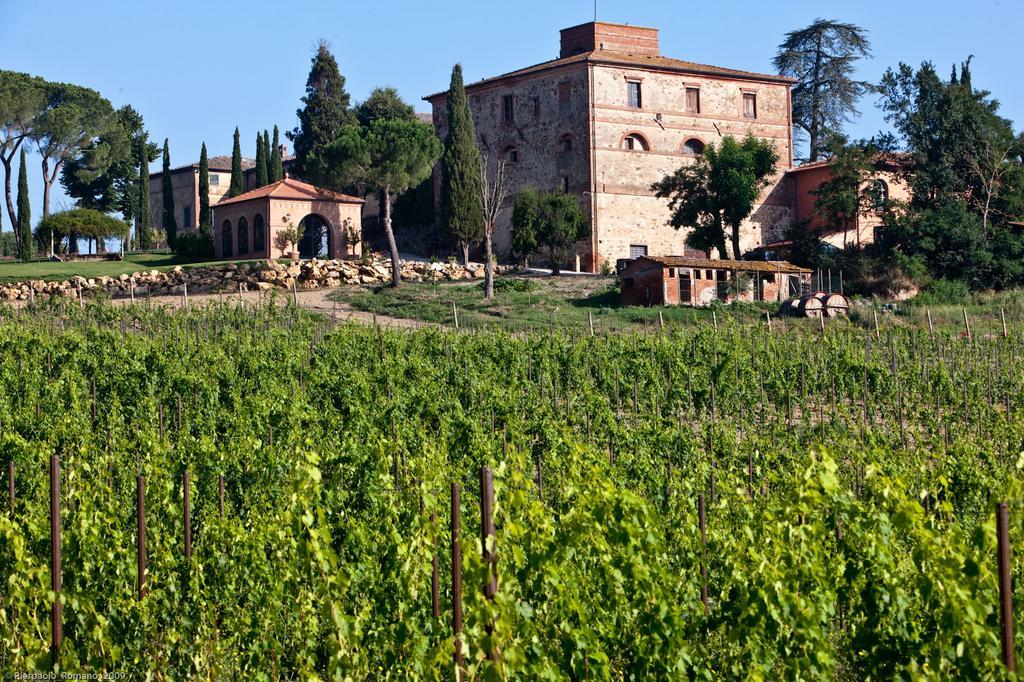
(254, 492)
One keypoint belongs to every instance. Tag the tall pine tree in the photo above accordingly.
(267, 155)
(142, 235)
(261, 162)
(237, 177)
(204, 192)
(24, 218)
(462, 212)
(326, 109)
(276, 162)
(170, 223)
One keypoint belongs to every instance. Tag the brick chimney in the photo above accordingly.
(610, 38)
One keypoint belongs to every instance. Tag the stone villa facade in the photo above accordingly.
(610, 117)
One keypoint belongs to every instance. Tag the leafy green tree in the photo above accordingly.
(24, 213)
(719, 191)
(104, 175)
(262, 166)
(547, 222)
(389, 156)
(462, 213)
(170, 221)
(204, 192)
(846, 195)
(237, 174)
(143, 234)
(823, 59)
(22, 102)
(74, 118)
(276, 162)
(384, 103)
(266, 156)
(326, 110)
(80, 222)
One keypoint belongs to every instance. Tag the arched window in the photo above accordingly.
(226, 242)
(635, 142)
(511, 155)
(879, 193)
(258, 234)
(565, 144)
(316, 239)
(693, 147)
(243, 236)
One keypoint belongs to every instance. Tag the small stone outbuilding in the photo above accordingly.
(679, 280)
(249, 226)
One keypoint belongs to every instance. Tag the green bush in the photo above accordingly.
(943, 292)
(504, 285)
(192, 245)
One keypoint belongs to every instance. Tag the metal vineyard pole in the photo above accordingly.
(140, 530)
(487, 533)
(185, 489)
(457, 575)
(1005, 587)
(55, 576)
(435, 576)
(702, 521)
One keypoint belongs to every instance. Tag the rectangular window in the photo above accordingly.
(634, 94)
(186, 213)
(565, 184)
(214, 179)
(696, 274)
(671, 273)
(508, 108)
(637, 250)
(693, 100)
(536, 107)
(749, 105)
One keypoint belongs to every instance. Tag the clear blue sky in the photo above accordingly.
(196, 69)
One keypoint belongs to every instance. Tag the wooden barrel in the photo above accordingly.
(836, 305)
(811, 306)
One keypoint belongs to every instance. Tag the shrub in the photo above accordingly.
(507, 284)
(943, 292)
(192, 245)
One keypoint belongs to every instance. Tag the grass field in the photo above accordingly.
(50, 271)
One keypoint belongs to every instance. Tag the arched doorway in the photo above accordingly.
(316, 238)
(226, 242)
(258, 234)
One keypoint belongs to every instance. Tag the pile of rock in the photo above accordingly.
(263, 275)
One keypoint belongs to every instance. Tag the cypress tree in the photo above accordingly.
(204, 192)
(142, 227)
(24, 219)
(261, 162)
(170, 222)
(326, 109)
(237, 177)
(276, 162)
(266, 154)
(462, 212)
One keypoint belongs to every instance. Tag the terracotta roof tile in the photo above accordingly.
(290, 188)
(713, 264)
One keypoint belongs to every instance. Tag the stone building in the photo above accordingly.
(185, 186)
(610, 117)
(250, 225)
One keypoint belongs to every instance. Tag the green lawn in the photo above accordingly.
(533, 303)
(45, 270)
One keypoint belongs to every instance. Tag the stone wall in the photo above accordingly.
(263, 276)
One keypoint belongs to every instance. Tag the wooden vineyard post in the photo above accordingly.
(967, 325)
(455, 315)
(295, 293)
(140, 537)
(661, 320)
(590, 317)
(1002, 318)
(186, 496)
(702, 521)
(878, 332)
(435, 575)
(457, 576)
(55, 575)
(489, 541)
(768, 319)
(931, 327)
(1005, 587)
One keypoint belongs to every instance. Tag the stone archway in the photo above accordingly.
(317, 238)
